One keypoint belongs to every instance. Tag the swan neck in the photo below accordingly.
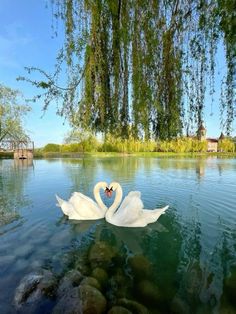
(112, 209)
(96, 192)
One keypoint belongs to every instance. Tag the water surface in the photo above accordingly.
(188, 256)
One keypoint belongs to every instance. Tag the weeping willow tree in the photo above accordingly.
(143, 67)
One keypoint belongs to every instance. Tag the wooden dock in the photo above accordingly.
(23, 153)
(20, 149)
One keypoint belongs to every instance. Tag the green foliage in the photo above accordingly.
(226, 145)
(51, 148)
(11, 114)
(141, 65)
(79, 140)
(182, 145)
(119, 145)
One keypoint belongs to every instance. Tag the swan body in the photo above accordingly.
(131, 212)
(82, 207)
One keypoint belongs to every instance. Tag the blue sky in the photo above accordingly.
(26, 40)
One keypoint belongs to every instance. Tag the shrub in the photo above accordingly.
(51, 148)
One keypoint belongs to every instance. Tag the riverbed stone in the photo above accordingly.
(119, 310)
(101, 254)
(140, 266)
(101, 275)
(33, 287)
(69, 303)
(148, 292)
(93, 282)
(133, 306)
(71, 279)
(82, 299)
(93, 302)
(120, 285)
(27, 286)
(48, 283)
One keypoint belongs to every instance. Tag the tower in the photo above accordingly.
(201, 133)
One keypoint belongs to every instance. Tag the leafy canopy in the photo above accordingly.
(142, 66)
(11, 115)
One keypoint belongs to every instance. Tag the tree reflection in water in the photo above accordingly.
(13, 177)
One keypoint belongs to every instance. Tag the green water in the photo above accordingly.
(183, 263)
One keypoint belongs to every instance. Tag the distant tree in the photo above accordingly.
(55, 148)
(86, 140)
(11, 114)
(226, 145)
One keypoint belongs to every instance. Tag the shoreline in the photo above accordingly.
(48, 155)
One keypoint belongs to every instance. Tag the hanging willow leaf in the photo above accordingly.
(142, 67)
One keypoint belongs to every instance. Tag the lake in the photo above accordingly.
(183, 263)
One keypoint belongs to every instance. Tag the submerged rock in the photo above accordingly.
(133, 306)
(26, 287)
(93, 302)
(48, 284)
(79, 300)
(101, 275)
(193, 279)
(148, 292)
(140, 266)
(119, 310)
(33, 289)
(101, 255)
(120, 285)
(69, 303)
(91, 282)
(71, 279)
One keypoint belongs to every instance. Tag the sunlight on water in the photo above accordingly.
(183, 263)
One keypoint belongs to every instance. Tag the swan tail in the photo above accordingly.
(153, 215)
(65, 206)
(163, 210)
(158, 211)
(59, 201)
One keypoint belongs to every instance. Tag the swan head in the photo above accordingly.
(112, 188)
(101, 185)
(108, 191)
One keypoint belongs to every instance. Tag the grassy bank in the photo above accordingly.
(38, 154)
(140, 154)
(6, 155)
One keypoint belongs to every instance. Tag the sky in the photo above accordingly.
(26, 39)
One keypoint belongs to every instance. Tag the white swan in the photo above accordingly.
(131, 212)
(82, 207)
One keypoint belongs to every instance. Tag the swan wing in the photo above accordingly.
(130, 210)
(132, 197)
(85, 207)
(66, 207)
(82, 196)
(77, 197)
